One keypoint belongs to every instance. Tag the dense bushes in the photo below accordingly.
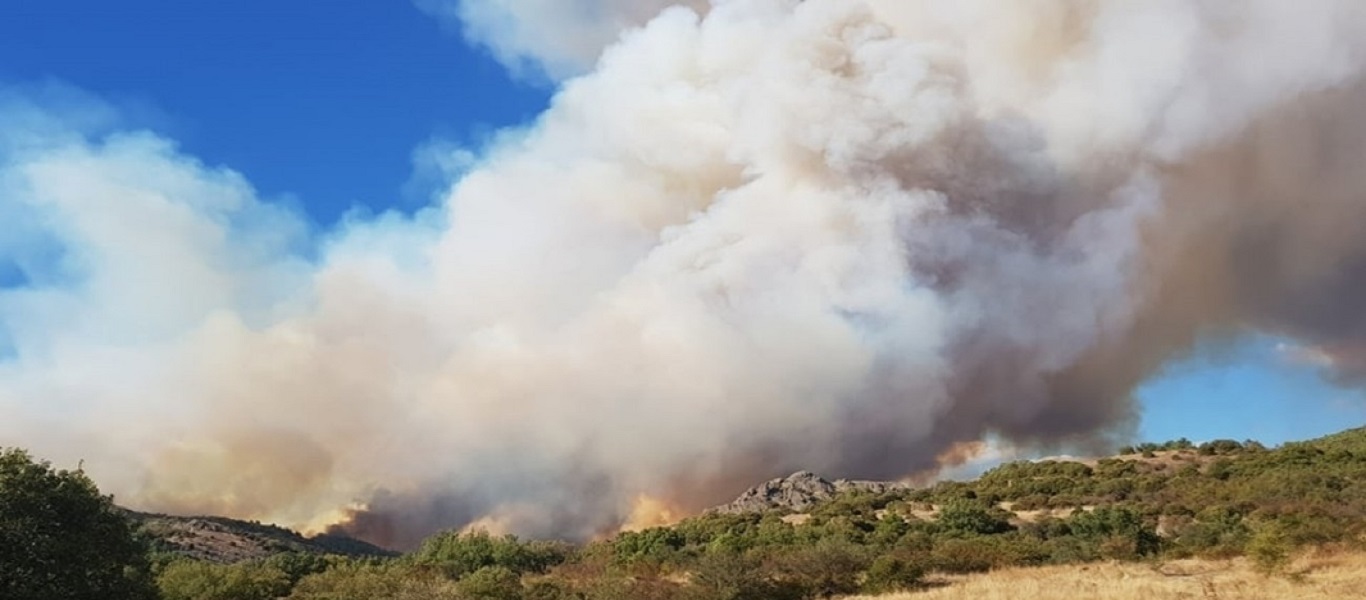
(962, 518)
(457, 555)
(363, 581)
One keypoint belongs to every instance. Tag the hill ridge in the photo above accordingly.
(226, 540)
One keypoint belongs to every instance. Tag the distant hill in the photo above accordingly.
(223, 540)
(1155, 475)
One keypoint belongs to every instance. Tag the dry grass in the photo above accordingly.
(1034, 516)
(1321, 576)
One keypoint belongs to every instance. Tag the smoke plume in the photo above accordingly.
(752, 237)
(548, 38)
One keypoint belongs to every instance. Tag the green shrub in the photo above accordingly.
(827, 568)
(967, 518)
(360, 581)
(1119, 532)
(196, 580)
(655, 545)
(971, 555)
(720, 577)
(1218, 532)
(297, 565)
(458, 554)
(1269, 550)
(893, 574)
(491, 583)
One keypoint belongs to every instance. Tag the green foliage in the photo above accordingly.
(1218, 531)
(889, 573)
(1269, 550)
(719, 577)
(655, 545)
(457, 554)
(547, 590)
(491, 583)
(61, 540)
(888, 530)
(362, 581)
(640, 589)
(983, 553)
(968, 518)
(1120, 532)
(857, 503)
(827, 568)
(297, 565)
(1219, 448)
(967, 555)
(195, 580)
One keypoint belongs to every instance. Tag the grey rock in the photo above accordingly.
(799, 492)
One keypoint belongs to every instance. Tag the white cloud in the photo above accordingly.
(548, 38)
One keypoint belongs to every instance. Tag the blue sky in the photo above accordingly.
(321, 104)
(1253, 389)
(318, 99)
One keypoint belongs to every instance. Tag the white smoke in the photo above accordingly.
(835, 235)
(548, 38)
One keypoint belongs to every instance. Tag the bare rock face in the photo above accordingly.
(799, 492)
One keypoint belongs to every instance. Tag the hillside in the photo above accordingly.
(1171, 484)
(1173, 520)
(1155, 502)
(222, 540)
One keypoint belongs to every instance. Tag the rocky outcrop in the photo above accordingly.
(799, 492)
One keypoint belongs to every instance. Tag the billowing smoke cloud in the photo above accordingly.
(550, 38)
(843, 236)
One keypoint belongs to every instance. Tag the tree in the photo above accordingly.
(61, 540)
(890, 573)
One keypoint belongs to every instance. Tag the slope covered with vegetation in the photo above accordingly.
(1154, 503)
(223, 540)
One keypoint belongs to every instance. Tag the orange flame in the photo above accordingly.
(648, 511)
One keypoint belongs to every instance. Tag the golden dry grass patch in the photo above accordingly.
(1313, 577)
